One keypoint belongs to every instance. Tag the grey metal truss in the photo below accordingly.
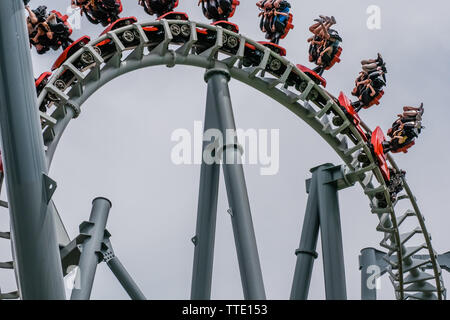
(283, 82)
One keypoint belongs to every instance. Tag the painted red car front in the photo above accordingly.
(377, 142)
(313, 74)
(347, 104)
(74, 47)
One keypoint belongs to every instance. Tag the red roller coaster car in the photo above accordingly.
(129, 38)
(224, 24)
(313, 75)
(84, 61)
(377, 140)
(40, 83)
(253, 57)
(274, 47)
(345, 103)
(122, 22)
(74, 47)
(227, 25)
(174, 15)
(230, 42)
(180, 32)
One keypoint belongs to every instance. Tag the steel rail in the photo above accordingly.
(313, 105)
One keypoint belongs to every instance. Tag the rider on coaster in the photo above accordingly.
(47, 31)
(368, 90)
(324, 45)
(218, 10)
(395, 184)
(410, 114)
(330, 48)
(370, 81)
(281, 13)
(274, 18)
(405, 129)
(158, 7)
(99, 11)
(33, 19)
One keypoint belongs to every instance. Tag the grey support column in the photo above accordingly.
(94, 231)
(204, 238)
(37, 259)
(367, 261)
(306, 253)
(331, 233)
(244, 234)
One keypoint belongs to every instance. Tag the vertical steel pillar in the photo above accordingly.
(322, 212)
(368, 259)
(204, 238)
(306, 253)
(94, 230)
(244, 234)
(37, 256)
(331, 233)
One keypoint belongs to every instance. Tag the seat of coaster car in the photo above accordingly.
(289, 26)
(375, 101)
(336, 59)
(405, 148)
(234, 4)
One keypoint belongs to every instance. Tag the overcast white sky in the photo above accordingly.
(120, 148)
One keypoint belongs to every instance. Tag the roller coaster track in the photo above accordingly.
(291, 88)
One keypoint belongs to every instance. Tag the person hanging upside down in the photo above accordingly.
(324, 45)
(369, 89)
(330, 48)
(369, 83)
(102, 12)
(275, 19)
(410, 114)
(36, 16)
(158, 7)
(47, 31)
(44, 37)
(218, 10)
(405, 130)
(281, 15)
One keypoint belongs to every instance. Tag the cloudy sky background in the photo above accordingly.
(120, 148)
